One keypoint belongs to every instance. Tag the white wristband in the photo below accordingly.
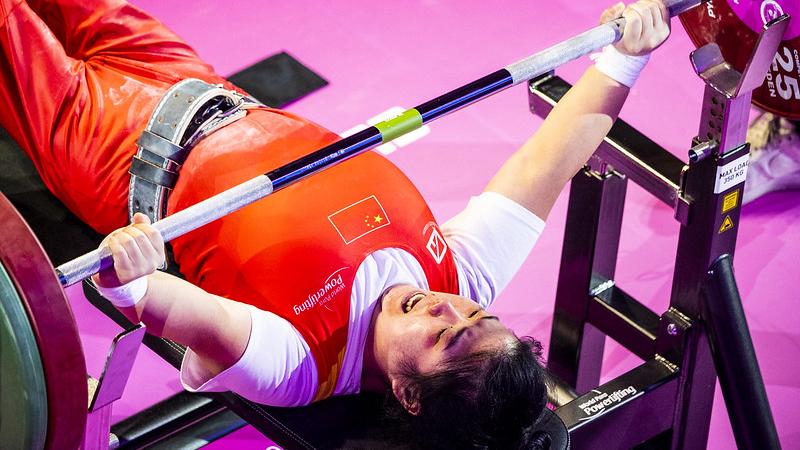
(126, 295)
(624, 69)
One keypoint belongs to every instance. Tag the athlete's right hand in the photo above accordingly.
(647, 25)
(138, 250)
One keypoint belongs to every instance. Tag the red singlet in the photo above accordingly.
(78, 80)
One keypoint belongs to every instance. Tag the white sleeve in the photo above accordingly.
(276, 368)
(490, 239)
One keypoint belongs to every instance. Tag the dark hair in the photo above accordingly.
(483, 400)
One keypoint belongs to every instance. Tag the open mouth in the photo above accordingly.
(411, 301)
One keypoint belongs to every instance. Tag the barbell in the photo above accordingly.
(261, 186)
(36, 322)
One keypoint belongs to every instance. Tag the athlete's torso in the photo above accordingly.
(296, 252)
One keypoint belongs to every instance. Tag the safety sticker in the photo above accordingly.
(727, 224)
(731, 174)
(730, 200)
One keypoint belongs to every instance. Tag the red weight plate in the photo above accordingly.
(734, 25)
(54, 326)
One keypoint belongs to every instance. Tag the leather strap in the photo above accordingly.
(152, 173)
(190, 110)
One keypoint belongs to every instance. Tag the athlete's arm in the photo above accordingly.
(535, 175)
(215, 328)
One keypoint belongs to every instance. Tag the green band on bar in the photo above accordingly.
(406, 122)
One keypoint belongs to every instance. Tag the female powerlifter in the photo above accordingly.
(341, 283)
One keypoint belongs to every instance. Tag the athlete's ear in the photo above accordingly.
(407, 395)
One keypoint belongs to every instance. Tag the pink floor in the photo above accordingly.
(403, 53)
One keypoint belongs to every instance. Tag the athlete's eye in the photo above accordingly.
(439, 335)
(474, 313)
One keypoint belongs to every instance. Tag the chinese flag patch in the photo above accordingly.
(359, 219)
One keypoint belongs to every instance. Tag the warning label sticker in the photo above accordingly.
(731, 174)
(730, 200)
(727, 224)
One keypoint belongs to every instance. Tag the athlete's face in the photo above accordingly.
(426, 328)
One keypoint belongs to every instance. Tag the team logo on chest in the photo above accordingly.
(436, 245)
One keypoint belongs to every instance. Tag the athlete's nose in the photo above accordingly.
(444, 309)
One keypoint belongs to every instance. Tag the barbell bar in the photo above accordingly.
(261, 186)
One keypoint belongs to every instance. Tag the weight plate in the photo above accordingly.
(734, 25)
(52, 324)
(23, 403)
